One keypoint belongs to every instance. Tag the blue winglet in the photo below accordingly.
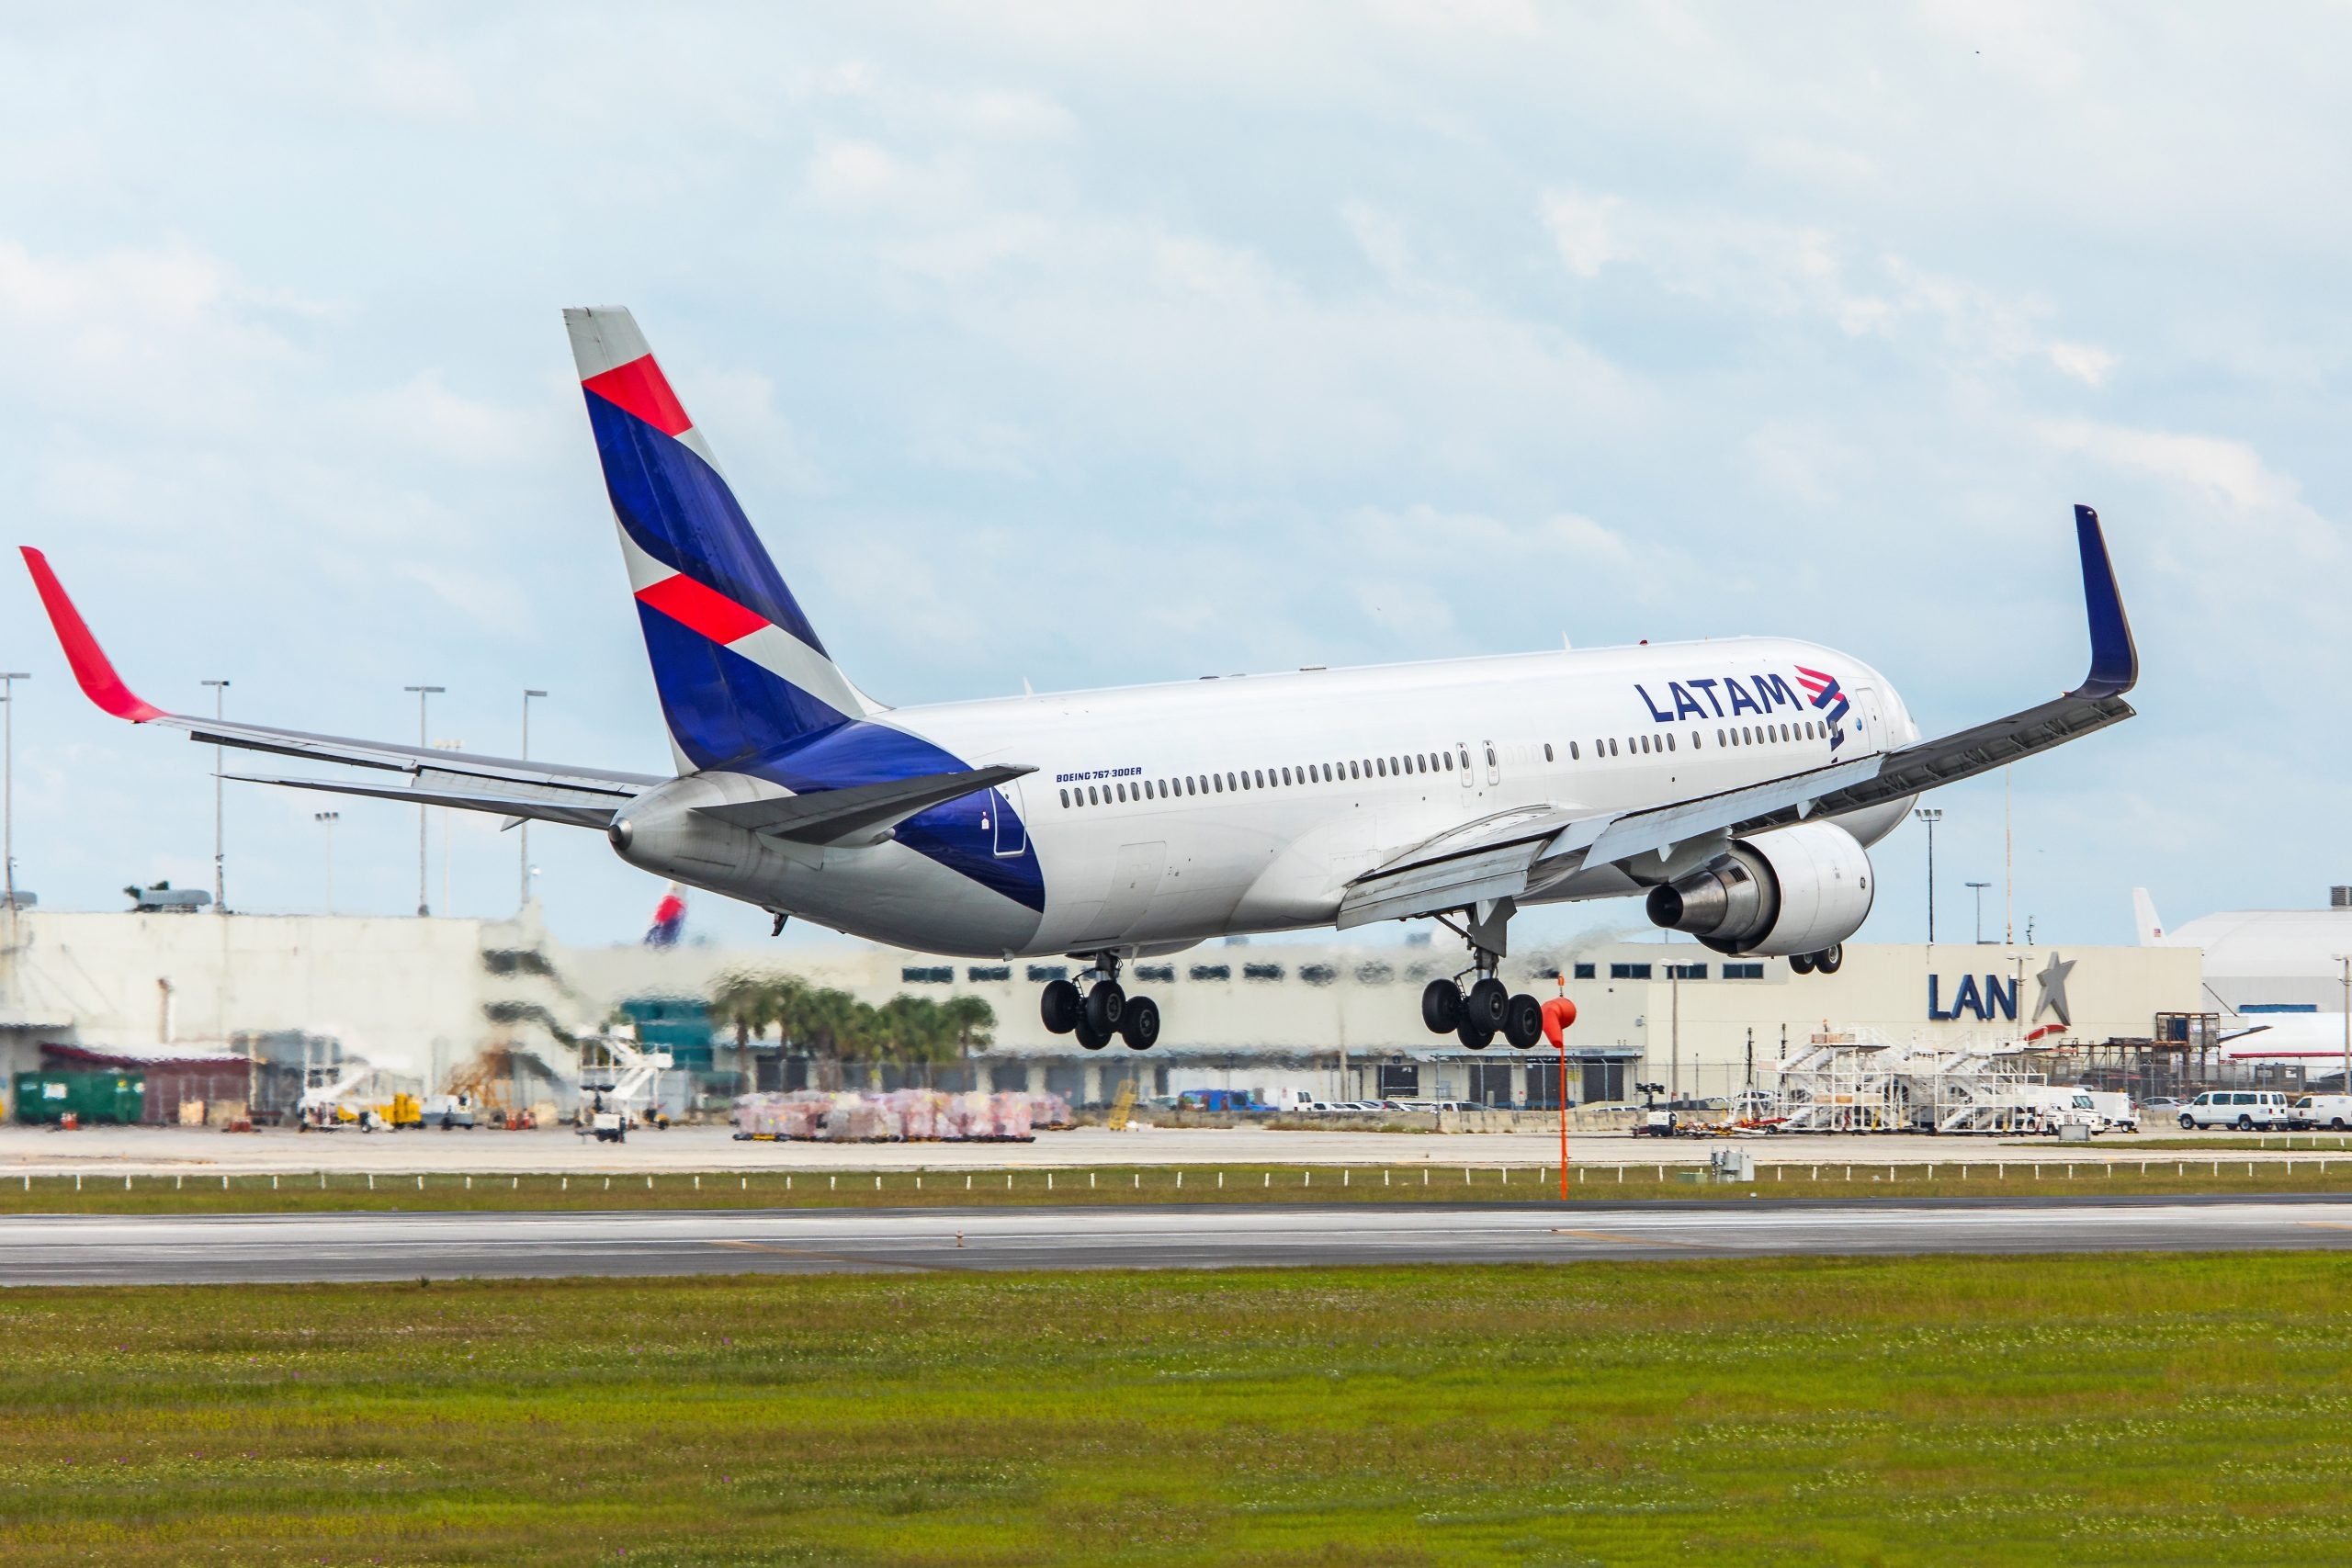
(2115, 662)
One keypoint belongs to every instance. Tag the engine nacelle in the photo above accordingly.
(1801, 889)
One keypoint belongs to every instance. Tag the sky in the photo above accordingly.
(1096, 343)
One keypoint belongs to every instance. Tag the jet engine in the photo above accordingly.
(1792, 890)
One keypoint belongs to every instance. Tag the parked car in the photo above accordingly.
(2330, 1111)
(2245, 1110)
(2163, 1108)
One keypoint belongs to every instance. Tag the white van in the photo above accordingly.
(2330, 1111)
(2244, 1109)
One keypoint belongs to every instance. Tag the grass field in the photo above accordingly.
(2149, 1411)
(2173, 1172)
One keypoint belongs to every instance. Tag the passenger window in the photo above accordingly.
(1612, 748)
(1719, 738)
(1092, 799)
(1064, 800)
(1572, 750)
(1670, 740)
(1391, 764)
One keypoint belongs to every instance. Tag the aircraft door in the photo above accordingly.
(1003, 811)
(1869, 719)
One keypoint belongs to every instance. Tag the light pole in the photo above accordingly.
(525, 830)
(1931, 815)
(8, 679)
(2346, 959)
(327, 819)
(424, 905)
(219, 864)
(1979, 888)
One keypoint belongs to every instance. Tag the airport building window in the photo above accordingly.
(1211, 972)
(1629, 971)
(1156, 974)
(1743, 971)
(1581, 972)
(1262, 971)
(928, 975)
(1686, 971)
(982, 973)
(1048, 972)
(1318, 973)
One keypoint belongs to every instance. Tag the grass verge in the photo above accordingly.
(342, 1192)
(2075, 1411)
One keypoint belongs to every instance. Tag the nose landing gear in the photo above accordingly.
(1100, 1013)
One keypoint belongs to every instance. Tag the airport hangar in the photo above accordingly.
(429, 1001)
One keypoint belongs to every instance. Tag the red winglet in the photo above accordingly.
(91, 666)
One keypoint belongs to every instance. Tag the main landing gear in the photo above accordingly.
(1487, 1008)
(1103, 1011)
(1827, 962)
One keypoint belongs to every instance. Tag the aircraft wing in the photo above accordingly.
(1510, 855)
(549, 791)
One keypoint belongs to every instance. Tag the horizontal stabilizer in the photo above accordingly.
(823, 816)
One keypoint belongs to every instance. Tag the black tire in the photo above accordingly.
(1829, 960)
(1473, 1038)
(1105, 1005)
(1488, 1000)
(1800, 963)
(2336, 1125)
(1088, 1039)
(1440, 1006)
(2187, 1123)
(2245, 1123)
(1522, 1021)
(1062, 1006)
(1139, 1025)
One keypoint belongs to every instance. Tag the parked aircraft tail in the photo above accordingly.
(2144, 915)
(739, 668)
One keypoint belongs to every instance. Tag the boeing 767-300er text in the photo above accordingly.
(1736, 783)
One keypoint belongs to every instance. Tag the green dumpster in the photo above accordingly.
(92, 1097)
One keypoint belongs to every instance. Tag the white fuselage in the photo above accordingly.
(1152, 830)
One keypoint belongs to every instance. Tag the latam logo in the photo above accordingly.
(1728, 696)
(1759, 694)
(1995, 996)
(1823, 689)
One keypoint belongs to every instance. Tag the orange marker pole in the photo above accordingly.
(1559, 1013)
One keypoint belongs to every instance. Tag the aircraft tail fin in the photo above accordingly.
(739, 668)
(2143, 916)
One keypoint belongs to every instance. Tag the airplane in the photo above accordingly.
(1736, 785)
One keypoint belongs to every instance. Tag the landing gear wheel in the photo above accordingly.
(1088, 1038)
(1488, 1000)
(1440, 1006)
(1829, 959)
(1139, 1025)
(1474, 1036)
(1062, 1006)
(1800, 963)
(1105, 1005)
(1522, 1021)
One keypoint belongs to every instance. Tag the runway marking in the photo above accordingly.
(827, 1257)
(1627, 1240)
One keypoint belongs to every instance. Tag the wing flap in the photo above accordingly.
(573, 810)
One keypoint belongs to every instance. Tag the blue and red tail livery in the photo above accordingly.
(739, 669)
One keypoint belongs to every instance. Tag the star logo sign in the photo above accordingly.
(2052, 994)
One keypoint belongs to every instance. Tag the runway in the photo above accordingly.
(110, 1249)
